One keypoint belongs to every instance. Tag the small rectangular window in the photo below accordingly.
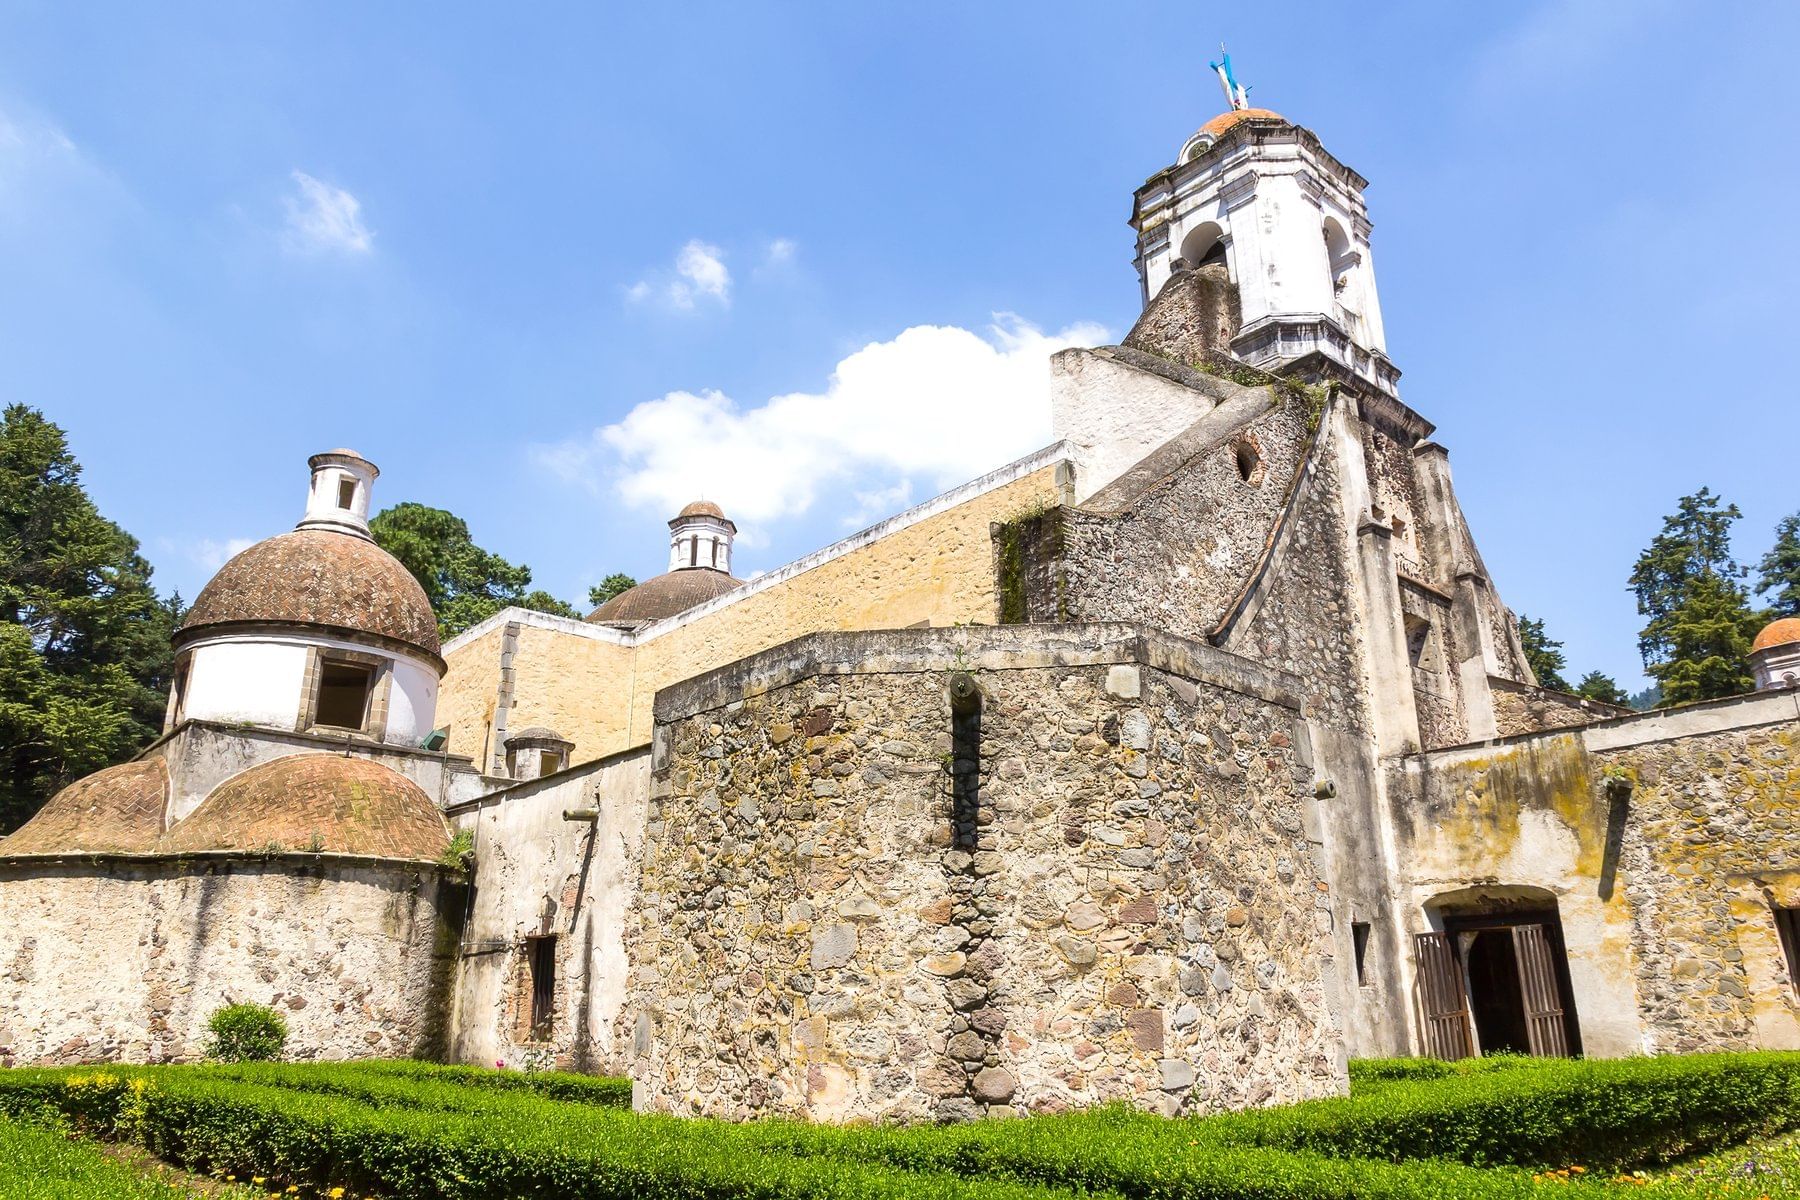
(1359, 936)
(346, 493)
(550, 762)
(1787, 925)
(178, 704)
(343, 695)
(541, 954)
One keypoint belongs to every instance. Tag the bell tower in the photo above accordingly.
(1261, 197)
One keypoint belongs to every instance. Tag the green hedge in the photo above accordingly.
(41, 1163)
(558, 1085)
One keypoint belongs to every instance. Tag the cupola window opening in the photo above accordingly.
(343, 695)
(1344, 262)
(347, 492)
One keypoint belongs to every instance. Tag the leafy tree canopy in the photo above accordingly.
(1543, 654)
(84, 639)
(1779, 572)
(1708, 634)
(464, 583)
(1694, 543)
(609, 587)
(1597, 686)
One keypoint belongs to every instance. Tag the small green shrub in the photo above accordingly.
(246, 1033)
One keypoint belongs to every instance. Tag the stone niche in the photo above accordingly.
(857, 905)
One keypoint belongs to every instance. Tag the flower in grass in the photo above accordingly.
(336, 1193)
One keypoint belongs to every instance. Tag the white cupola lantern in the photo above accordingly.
(339, 496)
(700, 537)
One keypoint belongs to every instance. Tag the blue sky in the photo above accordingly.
(556, 271)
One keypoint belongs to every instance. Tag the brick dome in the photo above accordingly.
(1216, 127)
(115, 811)
(664, 596)
(1784, 632)
(322, 802)
(701, 508)
(333, 581)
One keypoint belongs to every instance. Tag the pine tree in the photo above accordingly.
(1543, 655)
(1709, 634)
(609, 587)
(84, 640)
(464, 583)
(1694, 543)
(1779, 571)
(1603, 688)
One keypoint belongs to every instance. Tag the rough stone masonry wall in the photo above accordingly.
(1665, 839)
(1139, 917)
(1177, 555)
(1520, 708)
(125, 960)
(1713, 842)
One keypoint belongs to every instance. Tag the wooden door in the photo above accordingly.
(1443, 1003)
(1544, 1024)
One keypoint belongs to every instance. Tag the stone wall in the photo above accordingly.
(1664, 840)
(1175, 550)
(539, 874)
(1118, 900)
(1520, 708)
(124, 960)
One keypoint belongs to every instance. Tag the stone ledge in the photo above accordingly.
(975, 648)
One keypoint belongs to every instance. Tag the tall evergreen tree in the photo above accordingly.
(84, 640)
(1694, 542)
(1543, 654)
(1597, 686)
(1709, 634)
(464, 583)
(1778, 575)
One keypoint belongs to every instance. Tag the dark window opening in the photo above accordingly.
(693, 552)
(550, 762)
(1418, 644)
(1787, 924)
(541, 957)
(343, 695)
(346, 493)
(1247, 461)
(1359, 936)
(1214, 255)
(965, 760)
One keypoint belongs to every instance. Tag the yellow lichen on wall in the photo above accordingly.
(598, 694)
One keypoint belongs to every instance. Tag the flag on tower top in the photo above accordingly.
(1236, 95)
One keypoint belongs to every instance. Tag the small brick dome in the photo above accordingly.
(1784, 632)
(115, 811)
(664, 596)
(701, 508)
(322, 578)
(1216, 127)
(322, 802)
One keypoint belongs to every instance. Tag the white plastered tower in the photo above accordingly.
(1288, 221)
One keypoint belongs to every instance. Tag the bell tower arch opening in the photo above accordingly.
(1204, 246)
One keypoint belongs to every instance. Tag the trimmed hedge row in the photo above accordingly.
(606, 1090)
(205, 1121)
(41, 1163)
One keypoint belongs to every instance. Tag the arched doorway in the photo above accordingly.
(1493, 975)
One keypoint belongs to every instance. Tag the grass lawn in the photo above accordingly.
(1702, 1125)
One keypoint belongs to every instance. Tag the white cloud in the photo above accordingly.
(937, 403)
(211, 553)
(780, 252)
(321, 217)
(699, 273)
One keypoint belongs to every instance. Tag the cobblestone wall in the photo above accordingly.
(125, 961)
(1712, 846)
(1521, 708)
(1134, 911)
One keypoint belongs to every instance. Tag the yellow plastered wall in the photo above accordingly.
(599, 694)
